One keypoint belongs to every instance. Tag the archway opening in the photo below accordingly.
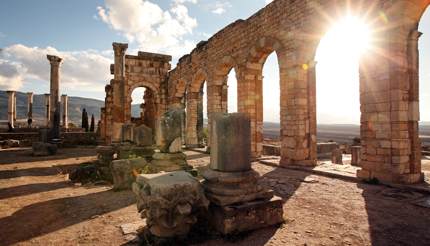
(271, 100)
(202, 116)
(424, 92)
(143, 107)
(338, 89)
(232, 95)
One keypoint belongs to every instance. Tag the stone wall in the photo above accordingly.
(293, 29)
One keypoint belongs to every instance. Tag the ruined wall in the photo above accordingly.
(147, 70)
(293, 29)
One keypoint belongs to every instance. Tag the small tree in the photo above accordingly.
(92, 123)
(85, 120)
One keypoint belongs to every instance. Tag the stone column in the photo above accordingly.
(118, 86)
(47, 107)
(55, 86)
(11, 107)
(65, 103)
(29, 105)
(14, 107)
(119, 59)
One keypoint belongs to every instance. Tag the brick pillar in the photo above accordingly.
(64, 117)
(55, 62)
(47, 109)
(29, 105)
(103, 123)
(11, 108)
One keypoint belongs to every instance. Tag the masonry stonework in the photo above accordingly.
(292, 29)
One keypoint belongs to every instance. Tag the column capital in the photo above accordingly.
(119, 48)
(54, 60)
(10, 92)
(30, 93)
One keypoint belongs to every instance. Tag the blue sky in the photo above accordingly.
(82, 31)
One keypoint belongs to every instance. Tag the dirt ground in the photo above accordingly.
(39, 206)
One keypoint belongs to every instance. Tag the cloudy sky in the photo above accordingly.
(82, 32)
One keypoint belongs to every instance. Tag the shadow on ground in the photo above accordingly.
(29, 189)
(49, 216)
(393, 217)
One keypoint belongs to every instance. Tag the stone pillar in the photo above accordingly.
(11, 108)
(231, 143)
(14, 107)
(47, 109)
(119, 59)
(355, 155)
(118, 86)
(29, 105)
(191, 139)
(65, 103)
(55, 62)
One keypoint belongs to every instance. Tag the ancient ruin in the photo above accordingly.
(226, 186)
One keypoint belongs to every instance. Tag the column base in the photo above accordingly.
(411, 178)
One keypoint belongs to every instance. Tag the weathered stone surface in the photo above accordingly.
(130, 151)
(142, 136)
(246, 216)
(170, 128)
(169, 202)
(169, 162)
(127, 133)
(229, 177)
(230, 146)
(10, 143)
(176, 146)
(355, 155)
(44, 149)
(124, 171)
(336, 156)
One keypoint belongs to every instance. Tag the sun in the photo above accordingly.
(349, 37)
(338, 57)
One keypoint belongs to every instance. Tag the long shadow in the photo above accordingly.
(25, 155)
(28, 189)
(49, 216)
(196, 156)
(37, 171)
(393, 217)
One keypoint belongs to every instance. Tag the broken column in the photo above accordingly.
(65, 103)
(355, 155)
(14, 107)
(55, 62)
(169, 141)
(30, 105)
(170, 202)
(337, 157)
(47, 107)
(11, 108)
(238, 202)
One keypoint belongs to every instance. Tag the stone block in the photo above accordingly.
(44, 149)
(355, 155)
(246, 216)
(124, 171)
(231, 143)
(142, 136)
(169, 202)
(169, 162)
(127, 133)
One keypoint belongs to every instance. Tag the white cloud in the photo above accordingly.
(220, 7)
(81, 70)
(268, 1)
(148, 25)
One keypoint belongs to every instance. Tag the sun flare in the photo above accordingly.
(337, 70)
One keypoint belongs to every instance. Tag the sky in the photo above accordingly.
(82, 32)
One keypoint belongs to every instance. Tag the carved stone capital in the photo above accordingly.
(54, 60)
(119, 48)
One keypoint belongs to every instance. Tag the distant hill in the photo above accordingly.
(76, 105)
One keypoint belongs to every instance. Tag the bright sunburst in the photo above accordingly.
(337, 70)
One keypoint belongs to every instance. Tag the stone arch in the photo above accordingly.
(194, 114)
(154, 110)
(250, 86)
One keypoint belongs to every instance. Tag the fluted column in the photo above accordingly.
(11, 107)
(65, 103)
(55, 62)
(47, 109)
